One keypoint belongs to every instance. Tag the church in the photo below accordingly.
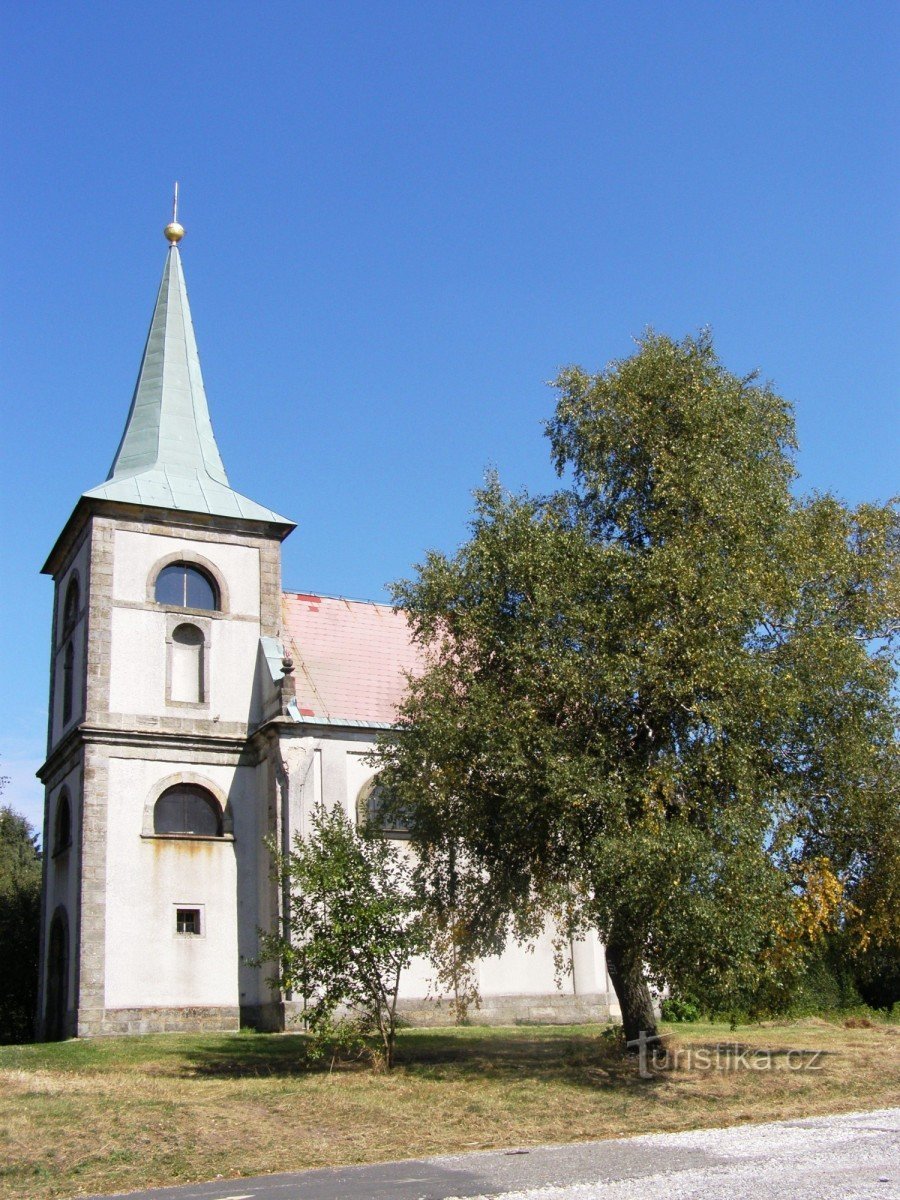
(196, 711)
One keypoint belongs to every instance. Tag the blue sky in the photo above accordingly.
(402, 218)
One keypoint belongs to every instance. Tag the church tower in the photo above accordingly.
(167, 593)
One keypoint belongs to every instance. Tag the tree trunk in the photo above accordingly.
(626, 970)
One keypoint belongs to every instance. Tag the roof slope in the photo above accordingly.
(350, 657)
(168, 455)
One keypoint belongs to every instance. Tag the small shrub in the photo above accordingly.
(344, 1039)
(613, 1037)
(680, 1008)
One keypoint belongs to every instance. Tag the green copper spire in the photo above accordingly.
(168, 457)
(169, 425)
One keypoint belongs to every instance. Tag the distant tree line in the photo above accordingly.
(20, 911)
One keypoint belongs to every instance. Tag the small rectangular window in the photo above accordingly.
(187, 920)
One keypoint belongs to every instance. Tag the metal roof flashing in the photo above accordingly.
(91, 504)
(183, 491)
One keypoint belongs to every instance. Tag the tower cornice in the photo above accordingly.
(88, 506)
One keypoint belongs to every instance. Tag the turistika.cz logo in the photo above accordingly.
(655, 1058)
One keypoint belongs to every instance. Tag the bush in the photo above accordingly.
(355, 927)
(827, 986)
(680, 1008)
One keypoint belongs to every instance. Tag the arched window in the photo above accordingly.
(187, 809)
(182, 585)
(57, 997)
(68, 682)
(62, 833)
(376, 814)
(187, 675)
(70, 607)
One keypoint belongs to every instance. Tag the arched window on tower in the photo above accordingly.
(187, 810)
(70, 607)
(69, 621)
(183, 585)
(187, 668)
(68, 694)
(62, 830)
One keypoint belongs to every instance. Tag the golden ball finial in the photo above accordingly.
(174, 233)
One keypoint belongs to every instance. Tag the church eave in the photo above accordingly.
(89, 505)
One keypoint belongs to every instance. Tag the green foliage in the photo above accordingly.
(354, 927)
(877, 976)
(680, 1008)
(870, 937)
(825, 986)
(20, 911)
(342, 1039)
(659, 701)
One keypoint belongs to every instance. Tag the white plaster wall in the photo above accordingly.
(138, 654)
(147, 964)
(138, 657)
(303, 760)
(135, 555)
(530, 970)
(334, 768)
(589, 965)
(137, 677)
(524, 971)
(233, 650)
(519, 970)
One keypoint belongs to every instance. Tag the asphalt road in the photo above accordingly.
(851, 1157)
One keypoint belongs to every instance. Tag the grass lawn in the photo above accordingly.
(111, 1115)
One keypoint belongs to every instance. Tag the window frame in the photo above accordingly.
(188, 934)
(189, 558)
(187, 570)
(69, 613)
(63, 803)
(67, 707)
(203, 625)
(183, 779)
(199, 793)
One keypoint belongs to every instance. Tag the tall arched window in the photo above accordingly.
(187, 671)
(182, 585)
(68, 694)
(57, 998)
(70, 607)
(187, 809)
(62, 833)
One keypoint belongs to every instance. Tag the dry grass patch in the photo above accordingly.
(87, 1117)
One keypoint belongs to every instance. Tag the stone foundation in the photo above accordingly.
(119, 1022)
(551, 1009)
(494, 1010)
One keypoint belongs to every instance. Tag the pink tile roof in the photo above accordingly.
(350, 656)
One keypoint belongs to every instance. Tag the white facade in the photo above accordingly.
(167, 712)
